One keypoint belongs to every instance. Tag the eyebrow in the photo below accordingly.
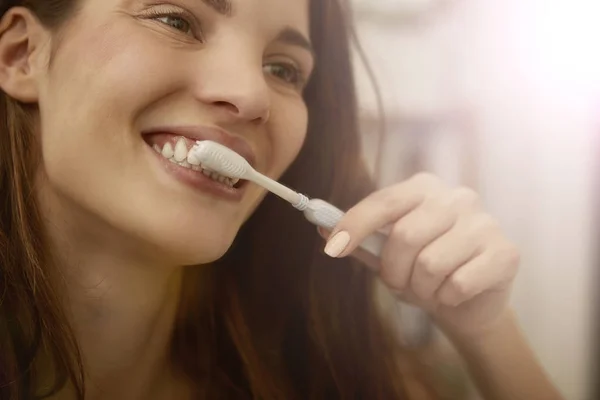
(295, 38)
(223, 7)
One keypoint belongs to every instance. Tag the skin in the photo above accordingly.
(444, 253)
(122, 226)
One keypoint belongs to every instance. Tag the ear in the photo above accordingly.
(22, 43)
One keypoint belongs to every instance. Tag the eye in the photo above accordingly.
(285, 72)
(177, 22)
(176, 19)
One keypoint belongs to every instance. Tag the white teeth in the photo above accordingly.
(181, 150)
(167, 151)
(178, 155)
(192, 160)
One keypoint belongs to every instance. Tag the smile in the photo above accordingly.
(171, 146)
(178, 155)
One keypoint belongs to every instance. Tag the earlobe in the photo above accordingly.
(20, 42)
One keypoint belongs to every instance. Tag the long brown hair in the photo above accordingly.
(273, 319)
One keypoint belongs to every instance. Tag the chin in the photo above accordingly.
(180, 249)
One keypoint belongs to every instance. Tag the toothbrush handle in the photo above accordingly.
(327, 216)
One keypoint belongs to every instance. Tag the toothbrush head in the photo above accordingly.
(220, 159)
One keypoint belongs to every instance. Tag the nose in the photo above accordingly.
(236, 89)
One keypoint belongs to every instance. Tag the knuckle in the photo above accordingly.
(484, 224)
(461, 286)
(428, 264)
(406, 236)
(509, 255)
(466, 196)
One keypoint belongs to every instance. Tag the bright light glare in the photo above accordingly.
(559, 44)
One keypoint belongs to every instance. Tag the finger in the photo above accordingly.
(367, 259)
(378, 210)
(493, 269)
(408, 237)
(455, 248)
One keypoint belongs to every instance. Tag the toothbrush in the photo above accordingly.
(223, 160)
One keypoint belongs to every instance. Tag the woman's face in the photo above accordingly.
(132, 85)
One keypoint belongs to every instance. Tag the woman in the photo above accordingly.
(128, 275)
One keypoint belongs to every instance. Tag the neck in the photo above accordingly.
(123, 322)
(122, 309)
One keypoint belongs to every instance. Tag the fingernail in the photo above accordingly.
(337, 244)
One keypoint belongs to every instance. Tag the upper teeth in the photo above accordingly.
(178, 155)
(181, 150)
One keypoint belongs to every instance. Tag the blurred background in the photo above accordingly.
(503, 96)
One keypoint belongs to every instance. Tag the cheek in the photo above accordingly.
(97, 86)
(288, 133)
(99, 75)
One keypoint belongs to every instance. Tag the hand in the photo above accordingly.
(444, 253)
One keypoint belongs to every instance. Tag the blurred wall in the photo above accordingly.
(523, 73)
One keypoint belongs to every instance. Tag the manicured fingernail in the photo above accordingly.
(337, 244)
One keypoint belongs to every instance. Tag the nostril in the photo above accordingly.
(228, 106)
(264, 118)
(249, 109)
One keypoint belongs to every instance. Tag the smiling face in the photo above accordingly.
(132, 84)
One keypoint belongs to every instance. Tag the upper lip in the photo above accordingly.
(199, 133)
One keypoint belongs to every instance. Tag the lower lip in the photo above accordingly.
(199, 181)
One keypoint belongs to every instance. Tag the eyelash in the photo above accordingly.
(193, 26)
(297, 79)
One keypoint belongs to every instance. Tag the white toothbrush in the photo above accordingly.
(223, 160)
